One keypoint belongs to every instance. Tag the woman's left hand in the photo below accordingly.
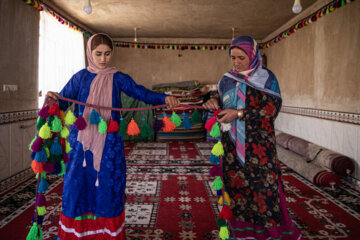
(227, 116)
(172, 101)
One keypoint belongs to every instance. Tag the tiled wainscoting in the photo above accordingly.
(17, 129)
(340, 133)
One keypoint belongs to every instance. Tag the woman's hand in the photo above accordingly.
(172, 101)
(212, 103)
(227, 116)
(53, 95)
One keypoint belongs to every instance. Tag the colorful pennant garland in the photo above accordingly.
(325, 10)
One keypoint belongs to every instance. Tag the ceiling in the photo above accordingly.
(181, 18)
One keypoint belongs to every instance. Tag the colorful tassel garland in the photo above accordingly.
(36, 146)
(56, 125)
(122, 128)
(217, 183)
(175, 119)
(102, 127)
(133, 128)
(145, 129)
(35, 232)
(94, 117)
(43, 186)
(168, 125)
(186, 122)
(224, 233)
(37, 167)
(45, 132)
(41, 156)
(56, 148)
(54, 110)
(225, 213)
(214, 159)
(195, 117)
(64, 132)
(157, 125)
(70, 118)
(216, 171)
(44, 112)
(80, 123)
(215, 130)
(218, 149)
(40, 122)
(209, 124)
(113, 126)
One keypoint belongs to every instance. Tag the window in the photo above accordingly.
(61, 54)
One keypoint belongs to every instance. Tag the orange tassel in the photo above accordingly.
(37, 167)
(133, 128)
(62, 115)
(169, 126)
(113, 126)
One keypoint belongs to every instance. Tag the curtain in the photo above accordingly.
(61, 54)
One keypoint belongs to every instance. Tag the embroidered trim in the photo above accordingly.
(88, 233)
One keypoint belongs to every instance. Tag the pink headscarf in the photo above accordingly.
(100, 94)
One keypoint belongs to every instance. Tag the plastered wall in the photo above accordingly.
(318, 66)
(19, 38)
(152, 66)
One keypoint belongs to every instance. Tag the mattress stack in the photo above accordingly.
(189, 93)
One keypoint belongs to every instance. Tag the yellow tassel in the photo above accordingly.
(67, 147)
(70, 118)
(41, 210)
(64, 132)
(45, 132)
(224, 233)
(218, 149)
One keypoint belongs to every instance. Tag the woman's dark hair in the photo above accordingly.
(101, 39)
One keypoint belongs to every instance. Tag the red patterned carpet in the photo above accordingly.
(169, 197)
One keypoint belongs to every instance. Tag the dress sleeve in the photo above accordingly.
(261, 105)
(71, 90)
(139, 92)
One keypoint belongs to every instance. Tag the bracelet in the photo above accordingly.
(240, 113)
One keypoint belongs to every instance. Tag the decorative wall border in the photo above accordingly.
(353, 118)
(11, 117)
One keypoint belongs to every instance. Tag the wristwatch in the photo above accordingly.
(240, 113)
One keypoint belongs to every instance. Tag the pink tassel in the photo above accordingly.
(65, 158)
(216, 171)
(49, 167)
(210, 123)
(40, 200)
(44, 112)
(80, 123)
(37, 145)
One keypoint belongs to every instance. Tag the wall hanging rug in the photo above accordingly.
(177, 202)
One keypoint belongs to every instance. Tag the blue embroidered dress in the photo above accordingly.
(80, 195)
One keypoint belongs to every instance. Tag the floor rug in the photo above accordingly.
(169, 197)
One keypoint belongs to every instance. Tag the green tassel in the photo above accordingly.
(64, 132)
(32, 141)
(41, 210)
(122, 128)
(102, 127)
(218, 149)
(50, 120)
(35, 232)
(62, 168)
(220, 222)
(40, 122)
(56, 125)
(343, 3)
(327, 10)
(48, 143)
(47, 152)
(217, 184)
(70, 118)
(175, 119)
(215, 130)
(195, 117)
(224, 233)
(67, 147)
(145, 129)
(45, 132)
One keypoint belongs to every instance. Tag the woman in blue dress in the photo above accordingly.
(94, 184)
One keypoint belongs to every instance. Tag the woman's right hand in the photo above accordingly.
(53, 95)
(212, 103)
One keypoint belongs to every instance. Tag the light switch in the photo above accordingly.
(10, 88)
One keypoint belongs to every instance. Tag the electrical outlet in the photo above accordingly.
(10, 88)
